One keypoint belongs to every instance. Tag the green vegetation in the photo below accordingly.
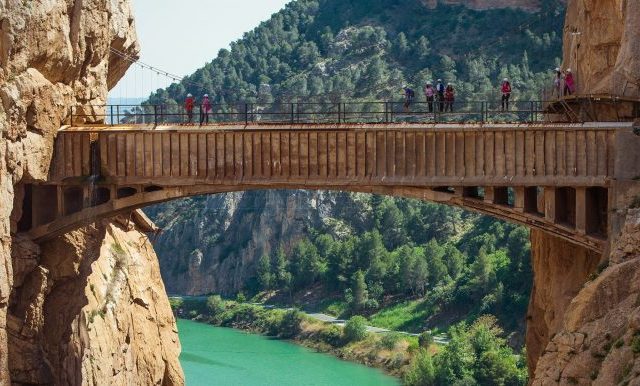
(356, 329)
(327, 50)
(476, 355)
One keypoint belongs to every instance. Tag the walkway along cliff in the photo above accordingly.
(89, 305)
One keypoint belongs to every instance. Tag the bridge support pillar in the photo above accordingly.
(489, 194)
(518, 203)
(550, 204)
(581, 210)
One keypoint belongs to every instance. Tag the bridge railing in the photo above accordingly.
(309, 112)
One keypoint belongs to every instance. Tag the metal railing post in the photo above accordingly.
(531, 109)
(482, 117)
(246, 114)
(339, 112)
(292, 114)
(155, 115)
(118, 114)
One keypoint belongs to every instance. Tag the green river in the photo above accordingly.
(213, 356)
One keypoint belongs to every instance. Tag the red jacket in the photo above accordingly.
(189, 103)
(506, 87)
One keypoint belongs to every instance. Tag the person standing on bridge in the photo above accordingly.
(205, 107)
(440, 90)
(409, 95)
(557, 82)
(569, 83)
(189, 103)
(449, 97)
(506, 93)
(430, 94)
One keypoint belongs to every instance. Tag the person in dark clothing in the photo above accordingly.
(429, 93)
(506, 93)
(449, 98)
(557, 82)
(440, 91)
(189, 103)
(409, 95)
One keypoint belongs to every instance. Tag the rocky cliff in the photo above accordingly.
(213, 243)
(601, 46)
(59, 321)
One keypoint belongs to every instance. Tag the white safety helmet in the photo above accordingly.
(189, 95)
(505, 79)
(568, 70)
(440, 80)
(557, 69)
(206, 95)
(429, 83)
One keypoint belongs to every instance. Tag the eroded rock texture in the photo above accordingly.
(598, 339)
(59, 323)
(601, 46)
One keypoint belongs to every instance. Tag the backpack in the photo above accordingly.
(410, 93)
(440, 88)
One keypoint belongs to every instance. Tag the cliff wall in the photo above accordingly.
(54, 54)
(601, 46)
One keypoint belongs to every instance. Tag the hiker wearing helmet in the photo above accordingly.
(440, 91)
(409, 95)
(506, 93)
(430, 94)
(205, 107)
(188, 106)
(449, 97)
(569, 83)
(557, 82)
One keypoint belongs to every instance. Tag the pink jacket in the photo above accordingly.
(206, 105)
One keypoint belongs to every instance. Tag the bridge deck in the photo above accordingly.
(552, 176)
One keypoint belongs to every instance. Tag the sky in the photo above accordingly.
(180, 36)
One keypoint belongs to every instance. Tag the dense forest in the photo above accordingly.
(328, 50)
(404, 264)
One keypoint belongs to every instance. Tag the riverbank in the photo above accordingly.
(390, 352)
(214, 355)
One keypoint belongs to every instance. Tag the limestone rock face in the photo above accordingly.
(601, 46)
(560, 269)
(598, 339)
(53, 55)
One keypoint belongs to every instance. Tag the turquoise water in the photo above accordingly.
(213, 356)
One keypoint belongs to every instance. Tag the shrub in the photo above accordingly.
(355, 329)
(421, 371)
(332, 335)
(290, 326)
(215, 305)
(389, 340)
(425, 339)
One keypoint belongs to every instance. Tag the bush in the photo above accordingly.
(389, 340)
(290, 326)
(215, 305)
(355, 329)
(421, 371)
(425, 339)
(332, 335)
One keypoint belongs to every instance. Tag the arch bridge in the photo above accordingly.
(560, 178)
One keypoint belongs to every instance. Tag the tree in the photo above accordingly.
(425, 339)
(215, 305)
(265, 277)
(355, 329)
(358, 291)
(421, 371)
(307, 266)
